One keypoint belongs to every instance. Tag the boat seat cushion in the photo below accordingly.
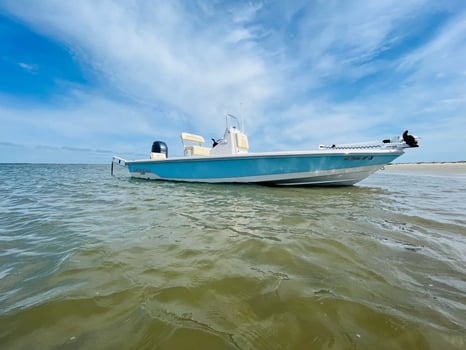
(242, 142)
(192, 138)
(196, 150)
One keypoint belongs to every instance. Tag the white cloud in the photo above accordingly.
(158, 53)
(31, 68)
(89, 122)
(182, 65)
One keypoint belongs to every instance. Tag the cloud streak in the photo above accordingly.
(160, 54)
(302, 73)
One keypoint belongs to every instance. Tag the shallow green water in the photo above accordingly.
(88, 261)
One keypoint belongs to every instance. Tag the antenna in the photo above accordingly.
(241, 116)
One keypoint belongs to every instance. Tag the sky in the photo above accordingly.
(81, 81)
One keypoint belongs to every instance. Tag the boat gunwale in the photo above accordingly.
(272, 155)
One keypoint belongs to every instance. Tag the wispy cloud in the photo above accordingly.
(162, 55)
(301, 72)
(32, 68)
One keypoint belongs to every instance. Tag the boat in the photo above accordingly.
(228, 160)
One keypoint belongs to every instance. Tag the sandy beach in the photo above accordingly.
(436, 167)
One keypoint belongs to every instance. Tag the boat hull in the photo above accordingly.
(281, 169)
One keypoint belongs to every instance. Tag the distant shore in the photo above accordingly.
(437, 167)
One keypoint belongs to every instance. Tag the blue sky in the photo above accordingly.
(81, 81)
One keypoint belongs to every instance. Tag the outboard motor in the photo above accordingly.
(159, 150)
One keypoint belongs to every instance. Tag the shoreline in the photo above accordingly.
(436, 167)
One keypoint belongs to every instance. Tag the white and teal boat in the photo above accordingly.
(229, 161)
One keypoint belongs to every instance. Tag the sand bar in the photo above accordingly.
(434, 167)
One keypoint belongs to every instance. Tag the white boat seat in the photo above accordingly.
(192, 138)
(196, 151)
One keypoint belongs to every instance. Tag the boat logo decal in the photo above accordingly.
(359, 157)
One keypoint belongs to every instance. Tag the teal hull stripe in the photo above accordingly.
(234, 167)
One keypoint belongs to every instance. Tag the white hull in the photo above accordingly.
(341, 177)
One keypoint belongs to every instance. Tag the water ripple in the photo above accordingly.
(91, 261)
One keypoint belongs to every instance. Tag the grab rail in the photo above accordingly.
(118, 161)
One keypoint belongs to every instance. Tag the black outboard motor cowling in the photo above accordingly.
(160, 147)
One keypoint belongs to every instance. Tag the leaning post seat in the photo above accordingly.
(192, 145)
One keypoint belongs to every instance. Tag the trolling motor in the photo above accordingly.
(397, 142)
(410, 139)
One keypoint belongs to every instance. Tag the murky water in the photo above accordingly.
(88, 261)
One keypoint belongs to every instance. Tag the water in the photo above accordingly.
(88, 261)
